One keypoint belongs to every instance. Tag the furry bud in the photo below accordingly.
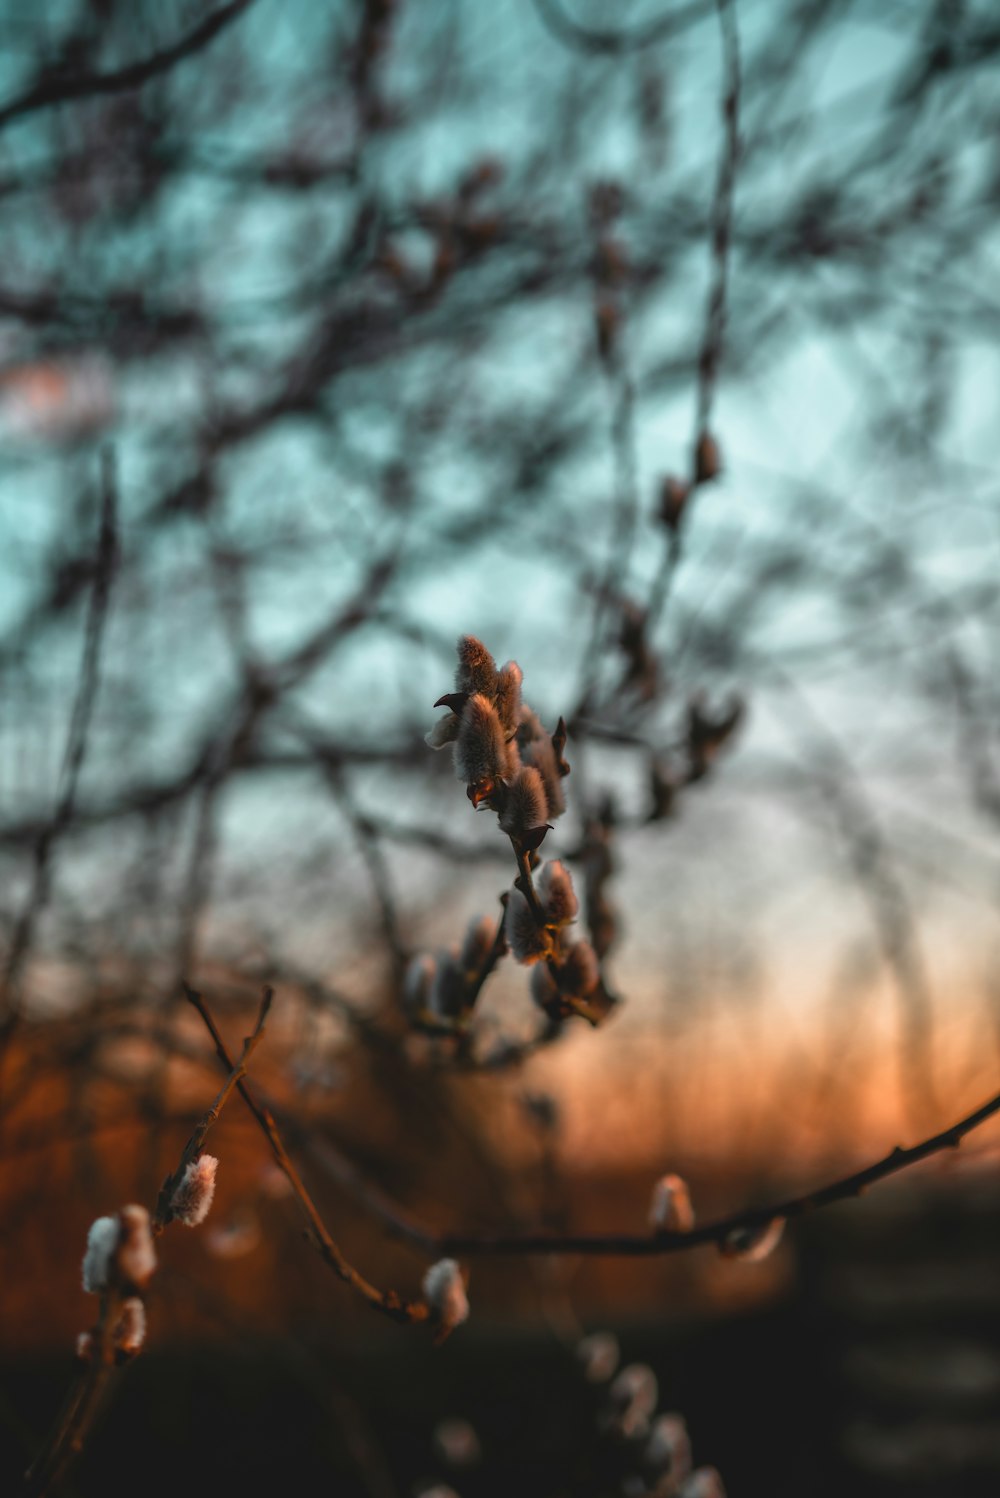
(536, 749)
(670, 1210)
(130, 1333)
(528, 941)
(669, 1447)
(444, 1290)
(444, 732)
(556, 893)
(525, 806)
(417, 983)
(477, 670)
(193, 1194)
(579, 973)
(753, 1244)
(480, 935)
(136, 1254)
(705, 1483)
(507, 700)
(480, 751)
(102, 1240)
(599, 1356)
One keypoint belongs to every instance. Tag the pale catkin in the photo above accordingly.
(444, 1290)
(525, 805)
(528, 941)
(476, 670)
(131, 1330)
(670, 1210)
(102, 1240)
(480, 934)
(507, 699)
(480, 751)
(556, 893)
(136, 1254)
(193, 1194)
(579, 973)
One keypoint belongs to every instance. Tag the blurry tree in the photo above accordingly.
(655, 349)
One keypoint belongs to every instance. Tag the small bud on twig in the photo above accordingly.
(135, 1254)
(528, 941)
(556, 893)
(102, 1239)
(753, 1244)
(599, 1354)
(130, 1332)
(444, 1289)
(671, 1210)
(193, 1195)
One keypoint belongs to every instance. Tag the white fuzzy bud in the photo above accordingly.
(525, 805)
(669, 1447)
(705, 1483)
(753, 1244)
(636, 1389)
(508, 696)
(444, 732)
(102, 1240)
(480, 750)
(480, 934)
(556, 893)
(444, 1290)
(131, 1330)
(477, 670)
(670, 1210)
(599, 1354)
(418, 982)
(194, 1191)
(85, 1346)
(136, 1255)
(457, 1443)
(528, 941)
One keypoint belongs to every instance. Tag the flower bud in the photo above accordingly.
(477, 670)
(705, 1483)
(444, 1289)
(556, 893)
(599, 1356)
(669, 1448)
(507, 699)
(636, 1388)
(525, 805)
(102, 1240)
(753, 1244)
(670, 1210)
(135, 1254)
(579, 973)
(480, 934)
(130, 1332)
(444, 732)
(457, 1443)
(480, 751)
(528, 941)
(417, 983)
(193, 1194)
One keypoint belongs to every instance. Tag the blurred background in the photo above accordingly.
(656, 345)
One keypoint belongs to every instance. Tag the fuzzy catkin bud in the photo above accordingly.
(480, 751)
(477, 670)
(193, 1194)
(131, 1330)
(705, 1483)
(444, 1290)
(753, 1244)
(102, 1240)
(525, 806)
(636, 1389)
(543, 987)
(444, 732)
(599, 1356)
(669, 1447)
(417, 983)
(507, 700)
(480, 934)
(556, 893)
(670, 1210)
(528, 941)
(537, 750)
(136, 1254)
(579, 973)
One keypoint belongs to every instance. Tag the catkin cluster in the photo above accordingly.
(511, 764)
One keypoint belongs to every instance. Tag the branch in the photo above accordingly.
(648, 1246)
(60, 88)
(387, 1301)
